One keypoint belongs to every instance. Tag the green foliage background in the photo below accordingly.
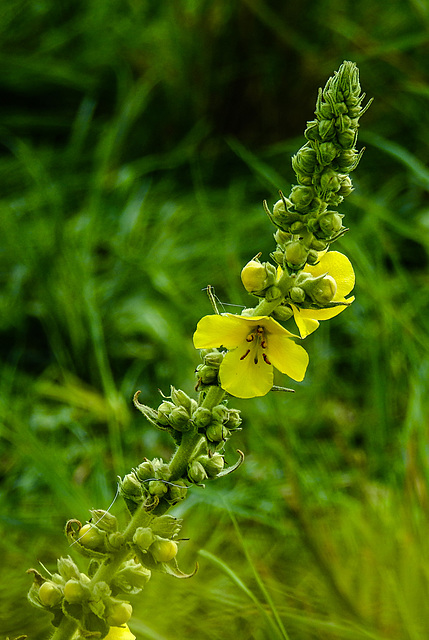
(138, 140)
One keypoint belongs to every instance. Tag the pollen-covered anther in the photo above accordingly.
(260, 343)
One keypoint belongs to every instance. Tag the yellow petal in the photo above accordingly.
(216, 331)
(339, 267)
(305, 321)
(120, 633)
(229, 330)
(326, 314)
(244, 378)
(271, 326)
(287, 357)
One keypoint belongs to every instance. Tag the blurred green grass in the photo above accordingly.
(138, 141)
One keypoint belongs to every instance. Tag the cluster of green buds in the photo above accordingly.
(149, 482)
(155, 544)
(208, 371)
(94, 605)
(184, 414)
(322, 168)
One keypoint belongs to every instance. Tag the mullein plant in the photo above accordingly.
(305, 282)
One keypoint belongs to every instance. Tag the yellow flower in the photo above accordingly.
(340, 269)
(120, 633)
(254, 346)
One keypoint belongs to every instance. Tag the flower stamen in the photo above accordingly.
(246, 354)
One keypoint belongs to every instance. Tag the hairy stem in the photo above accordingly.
(65, 630)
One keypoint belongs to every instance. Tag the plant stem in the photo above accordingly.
(266, 307)
(65, 630)
(180, 460)
(190, 439)
(214, 396)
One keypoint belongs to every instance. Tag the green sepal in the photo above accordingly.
(150, 414)
(87, 620)
(90, 553)
(172, 569)
(58, 616)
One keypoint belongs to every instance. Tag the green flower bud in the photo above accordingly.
(313, 257)
(234, 419)
(104, 520)
(318, 245)
(327, 151)
(334, 199)
(119, 614)
(348, 160)
(301, 197)
(278, 257)
(295, 254)
(163, 550)
(312, 130)
(91, 537)
(283, 313)
(115, 540)
(342, 123)
(196, 472)
(213, 358)
(130, 486)
(346, 186)
(157, 488)
(162, 469)
(145, 470)
(179, 419)
(281, 237)
(207, 375)
(304, 160)
(76, 591)
(296, 227)
(216, 432)
(330, 223)
(220, 412)
(346, 139)
(329, 180)
(50, 594)
(254, 276)
(181, 399)
(132, 574)
(297, 294)
(324, 111)
(143, 538)
(177, 491)
(273, 293)
(305, 180)
(326, 129)
(67, 568)
(164, 410)
(202, 417)
(323, 290)
(355, 111)
(317, 206)
(212, 464)
(281, 216)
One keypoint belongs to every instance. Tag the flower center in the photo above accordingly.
(258, 345)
